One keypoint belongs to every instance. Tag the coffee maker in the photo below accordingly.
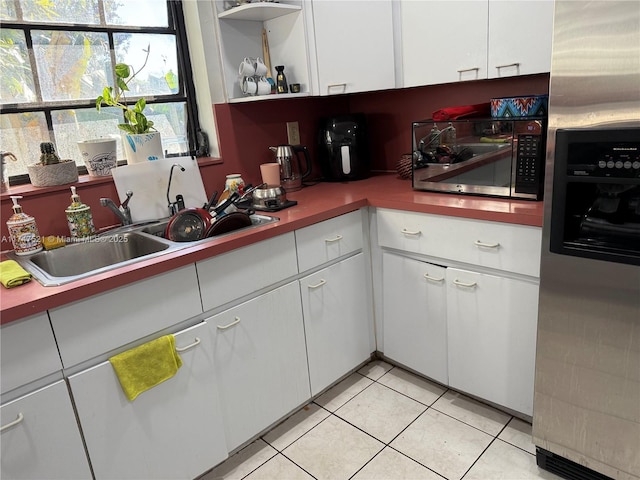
(343, 148)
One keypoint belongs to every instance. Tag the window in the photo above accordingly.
(57, 56)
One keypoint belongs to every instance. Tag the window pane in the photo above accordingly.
(17, 79)
(61, 11)
(143, 13)
(7, 10)
(71, 65)
(170, 119)
(70, 126)
(159, 76)
(21, 134)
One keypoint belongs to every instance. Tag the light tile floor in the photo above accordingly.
(386, 423)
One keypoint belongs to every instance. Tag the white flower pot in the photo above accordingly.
(99, 155)
(142, 147)
(55, 174)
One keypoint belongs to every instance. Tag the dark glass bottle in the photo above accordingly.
(281, 80)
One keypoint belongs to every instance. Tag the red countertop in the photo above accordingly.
(315, 204)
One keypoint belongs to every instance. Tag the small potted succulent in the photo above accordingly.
(51, 170)
(141, 140)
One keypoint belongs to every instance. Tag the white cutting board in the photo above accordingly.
(149, 180)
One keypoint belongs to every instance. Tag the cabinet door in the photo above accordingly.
(354, 45)
(528, 52)
(46, 443)
(224, 278)
(415, 315)
(492, 336)
(106, 321)
(443, 41)
(260, 362)
(328, 240)
(28, 351)
(337, 318)
(173, 430)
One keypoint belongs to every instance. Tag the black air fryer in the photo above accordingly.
(343, 148)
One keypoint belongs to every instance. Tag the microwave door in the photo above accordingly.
(479, 175)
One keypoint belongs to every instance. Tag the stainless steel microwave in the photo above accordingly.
(486, 156)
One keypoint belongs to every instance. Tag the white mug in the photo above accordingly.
(247, 67)
(260, 67)
(264, 87)
(249, 86)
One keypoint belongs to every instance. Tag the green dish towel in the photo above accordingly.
(146, 366)
(12, 274)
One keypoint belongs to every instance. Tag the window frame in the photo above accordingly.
(186, 93)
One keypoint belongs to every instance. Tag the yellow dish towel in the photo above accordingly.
(12, 274)
(146, 366)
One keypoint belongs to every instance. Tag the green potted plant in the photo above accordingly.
(142, 142)
(51, 170)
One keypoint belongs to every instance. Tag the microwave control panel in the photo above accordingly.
(528, 163)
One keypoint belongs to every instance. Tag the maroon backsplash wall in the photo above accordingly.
(246, 130)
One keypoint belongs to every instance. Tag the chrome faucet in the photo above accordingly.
(174, 207)
(123, 212)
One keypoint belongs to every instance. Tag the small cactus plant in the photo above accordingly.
(51, 170)
(48, 154)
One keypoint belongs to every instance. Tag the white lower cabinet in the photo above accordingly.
(337, 318)
(260, 362)
(40, 437)
(492, 336)
(415, 315)
(174, 430)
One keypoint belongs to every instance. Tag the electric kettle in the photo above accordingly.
(288, 158)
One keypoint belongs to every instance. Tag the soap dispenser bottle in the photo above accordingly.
(23, 230)
(79, 217)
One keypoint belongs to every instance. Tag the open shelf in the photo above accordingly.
(261, 11)
(255, 98)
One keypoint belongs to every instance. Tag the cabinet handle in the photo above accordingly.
(487, 245)
(515, 64)
(462, 284)
(331, 240)
(319, 284)
(472, 69)
(235, 322)
(335, 85)
(11, 424)
(411, 232)
(433, 279)
(182, 349)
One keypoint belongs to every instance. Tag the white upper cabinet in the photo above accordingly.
(520, 35)
(443, 41)
(354, 44)
(447, 41)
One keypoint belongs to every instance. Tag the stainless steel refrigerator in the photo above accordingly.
(586, 418)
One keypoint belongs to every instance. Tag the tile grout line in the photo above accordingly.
(299, 466)
(388, 444)
(487, 447)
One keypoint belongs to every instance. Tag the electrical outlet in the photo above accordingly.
(293, 133)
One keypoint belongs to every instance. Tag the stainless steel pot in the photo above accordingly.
(269, 197)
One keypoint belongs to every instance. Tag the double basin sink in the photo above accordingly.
(111, 250)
